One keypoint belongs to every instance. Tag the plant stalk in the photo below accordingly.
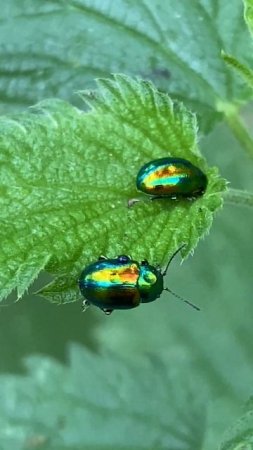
(240, 131)
(238, 197)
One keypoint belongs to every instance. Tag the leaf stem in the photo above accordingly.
(238, 197)
(239, 130)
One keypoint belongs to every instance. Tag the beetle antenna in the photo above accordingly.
(171, 258)
(182, 299)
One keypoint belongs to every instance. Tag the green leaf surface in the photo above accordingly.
(240, 435)
(140, 405)
(60, 45)
(67, 177)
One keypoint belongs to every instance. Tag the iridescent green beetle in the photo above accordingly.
(122, 283)
(172, 178)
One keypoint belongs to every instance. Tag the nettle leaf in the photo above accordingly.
(138, 405)
(240, 435)
(60, 46)
(67, 177)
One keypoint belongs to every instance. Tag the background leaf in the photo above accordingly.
(175, 44)
(129, 410)
(240, 435)
(69, 175)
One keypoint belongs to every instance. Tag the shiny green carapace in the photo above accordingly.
(171, 177)
(120, 283)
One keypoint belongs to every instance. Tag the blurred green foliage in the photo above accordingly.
(162, 376)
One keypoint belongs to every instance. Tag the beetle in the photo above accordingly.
(171, 178)
(123, 283)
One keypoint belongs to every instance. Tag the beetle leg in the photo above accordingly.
(132, 201)
(85, 305)
(107, 311)
(102, 258)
